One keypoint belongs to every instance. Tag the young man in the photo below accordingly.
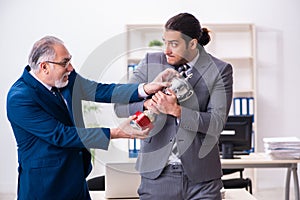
(44, 109)
(191, 127)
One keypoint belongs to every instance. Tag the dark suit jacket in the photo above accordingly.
(202, 119)
(51, 138)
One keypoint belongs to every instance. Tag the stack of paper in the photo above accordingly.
(282, 147)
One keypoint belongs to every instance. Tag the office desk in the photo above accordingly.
(261, 160)
(230, 194)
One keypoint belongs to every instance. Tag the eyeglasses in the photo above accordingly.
(64, 63)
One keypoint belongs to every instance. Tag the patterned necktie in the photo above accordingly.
(175, 149)
(182, 70)
(58, 95)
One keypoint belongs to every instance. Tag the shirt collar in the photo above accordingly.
(193, 62)
(39, 80)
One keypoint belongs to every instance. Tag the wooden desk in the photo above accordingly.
(261, 160)
(230, 194)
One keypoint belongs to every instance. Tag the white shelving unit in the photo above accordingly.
(234, 43)
(138, 39)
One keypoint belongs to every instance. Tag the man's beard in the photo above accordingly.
(61, 83)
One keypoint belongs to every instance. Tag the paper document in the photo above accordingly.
(282, 147)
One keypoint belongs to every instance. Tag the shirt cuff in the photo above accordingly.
(141, 91)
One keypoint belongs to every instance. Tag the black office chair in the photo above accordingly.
(235, 183)
(96, 183)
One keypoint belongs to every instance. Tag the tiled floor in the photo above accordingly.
(267, 194)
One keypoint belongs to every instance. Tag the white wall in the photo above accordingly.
(84, 25)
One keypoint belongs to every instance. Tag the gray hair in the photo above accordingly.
(42, 50)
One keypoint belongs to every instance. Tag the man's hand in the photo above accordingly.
(153, 87)
(166, 103)
(149, 105)
(125, 130)
(166, 75)
(161, 81)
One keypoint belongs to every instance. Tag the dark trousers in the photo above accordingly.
(174, 184)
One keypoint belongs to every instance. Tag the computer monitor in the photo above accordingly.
(236, 138)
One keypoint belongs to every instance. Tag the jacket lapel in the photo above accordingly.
(53, 106)
(45, 98)
(68, 97)
(200, 67)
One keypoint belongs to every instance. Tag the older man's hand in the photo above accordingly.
(161, 81)
(125, 130)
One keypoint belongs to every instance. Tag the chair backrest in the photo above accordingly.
(231, 171)
(236, 182)
(96, 183)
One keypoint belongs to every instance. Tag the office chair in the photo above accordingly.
(234, 183)
(96, 183)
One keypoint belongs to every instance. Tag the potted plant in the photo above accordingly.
(155, 43)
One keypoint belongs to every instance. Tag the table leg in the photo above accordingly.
(287, 184)
(296, 182)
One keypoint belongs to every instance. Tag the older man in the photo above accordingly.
(44, 109)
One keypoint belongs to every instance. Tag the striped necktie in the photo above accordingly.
(175, 149)
(181, 69)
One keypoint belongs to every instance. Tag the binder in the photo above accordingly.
(134, 146)
(131, 68)
(236, 106)
(243, 106)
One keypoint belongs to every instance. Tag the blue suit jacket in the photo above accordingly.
(51, 138)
